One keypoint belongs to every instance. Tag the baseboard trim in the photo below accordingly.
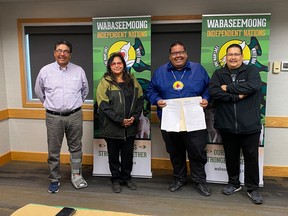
(275, 171)
(42, 157)
(156, 163)
(4, 114)
(5, 158)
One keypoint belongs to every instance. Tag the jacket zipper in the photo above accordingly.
(122, 102)
(233, 77)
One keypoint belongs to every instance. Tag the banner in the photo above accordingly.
(141, 159)
(132, 37)
(252, 33)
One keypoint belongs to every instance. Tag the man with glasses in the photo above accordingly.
(236, 89)
(180, 78)
(62, 87)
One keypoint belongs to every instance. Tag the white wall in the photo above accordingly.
(276, 139)
(3, 99)
(4, 125)
(30, 135)
(4, 138)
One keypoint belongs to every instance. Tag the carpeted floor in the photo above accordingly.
(24, 183)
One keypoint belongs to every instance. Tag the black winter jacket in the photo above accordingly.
(232, 114)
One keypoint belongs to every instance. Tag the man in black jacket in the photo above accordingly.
(236, 89)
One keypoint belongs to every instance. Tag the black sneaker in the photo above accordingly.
(255, 197)
(230, 189)
(202, 188)
(53, 187)
(175, 185)
(131, 185)
(116, 187)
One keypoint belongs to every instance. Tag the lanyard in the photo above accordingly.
(178, 85)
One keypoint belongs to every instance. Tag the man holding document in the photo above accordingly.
(179, 88)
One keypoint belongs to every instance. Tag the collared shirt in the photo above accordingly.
(61, 89)
(193, 76)
(172, 67)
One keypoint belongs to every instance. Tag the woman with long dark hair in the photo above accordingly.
(120, 101)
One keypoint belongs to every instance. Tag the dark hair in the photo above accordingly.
(128, 80)
(175, 44)
(235, 45)
(63, 42)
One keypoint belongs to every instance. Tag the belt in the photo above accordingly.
(63, 113)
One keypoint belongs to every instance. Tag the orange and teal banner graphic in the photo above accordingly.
(132, 37)
(252, 33)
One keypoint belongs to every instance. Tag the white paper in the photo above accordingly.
(194, 114)
(183, 114)
(171, 115)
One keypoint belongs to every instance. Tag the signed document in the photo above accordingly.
(183, 114)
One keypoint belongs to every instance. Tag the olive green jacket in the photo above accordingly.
(111, 106)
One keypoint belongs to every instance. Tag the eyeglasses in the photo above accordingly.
(113, 64)
(233, 54)
(177, 53)
(59, 51)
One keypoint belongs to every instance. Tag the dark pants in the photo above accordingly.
(194, 143)
(248, 143)
(120, 170)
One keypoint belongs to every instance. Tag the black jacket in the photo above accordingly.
(232, 114)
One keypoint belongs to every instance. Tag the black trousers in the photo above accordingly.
(120, 170)
(248, 143)
(177, 143)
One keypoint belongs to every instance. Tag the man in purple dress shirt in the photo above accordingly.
(62, 87)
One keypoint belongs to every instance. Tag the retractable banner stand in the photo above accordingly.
(251, 32)
(132, 37)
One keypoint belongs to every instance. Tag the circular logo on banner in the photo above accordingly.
(127, 51)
